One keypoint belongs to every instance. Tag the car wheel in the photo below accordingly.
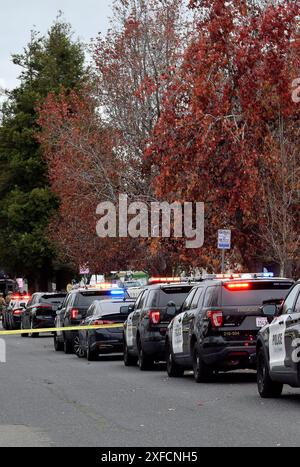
(34, 335)
(145, 363)
(202, 372)
(266, 387)
(129, 360)
(58, 346)
(92, 355)
(24, 334)
(173, 369)
(4, 323)
(78, 349)
(68, 347)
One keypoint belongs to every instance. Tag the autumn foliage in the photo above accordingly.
(184, 115)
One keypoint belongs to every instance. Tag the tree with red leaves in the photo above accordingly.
(218, 138)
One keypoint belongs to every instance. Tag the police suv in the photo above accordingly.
(219, 322)
(146, 326)
(278, 347)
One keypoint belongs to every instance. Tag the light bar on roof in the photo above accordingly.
(164, 280)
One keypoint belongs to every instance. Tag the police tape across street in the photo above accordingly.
(53, 330)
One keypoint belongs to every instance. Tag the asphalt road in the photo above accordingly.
(51, 399)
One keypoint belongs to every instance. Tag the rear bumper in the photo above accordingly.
(43, 323)
(106, 341)
(230, 356)
(154, 345)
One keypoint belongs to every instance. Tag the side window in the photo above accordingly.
(196, 298)
(291, 298)
(138, 302)
(188, 301)
(91, 311)
(152, 300)
(297, 306)
(211, 297)
(143, 300)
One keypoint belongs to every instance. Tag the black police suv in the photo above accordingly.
(40, 312)
(146, 327)
(92, 342)
(74, 310)
(278, 347)
(12, 313)
(218, 326)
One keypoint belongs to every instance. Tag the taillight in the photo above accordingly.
(216, 318)
(101, 322)
(154, 316)
(74, 313)
(17, 312)
(237, 286)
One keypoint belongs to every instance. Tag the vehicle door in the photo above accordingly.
(59, 320)
(292, 339)
(83, 334)
(179, 325)
(137, 316)
(281, 332)
(27, 312)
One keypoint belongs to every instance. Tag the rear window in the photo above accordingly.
(163, 296)
(85, 299)
(52, 299)
(111, 308)
(256, 294)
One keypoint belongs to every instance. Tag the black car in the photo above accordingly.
(40, 311)
(146, 327)
(74, 310)
(218, 326)
(104, 340)
(278, 347)
(12, 313)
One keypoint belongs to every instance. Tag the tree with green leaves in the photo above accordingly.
(49, 63)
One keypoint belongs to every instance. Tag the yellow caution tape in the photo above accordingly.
(70, 328)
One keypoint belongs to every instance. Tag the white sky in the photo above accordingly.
(19, 17)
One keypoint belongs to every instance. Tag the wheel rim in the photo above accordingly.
(196, 362)
(261, 373)
(77, 348)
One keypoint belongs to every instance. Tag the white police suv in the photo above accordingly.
(278, 347)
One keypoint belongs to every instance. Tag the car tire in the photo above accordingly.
(129, 360)
(33, 335)
(23, 335)
(145, 363)
(58, 346)
(202, 372)
(173, 369)
(78, 350)
(68, 347)
(267, 388)
(92, 355)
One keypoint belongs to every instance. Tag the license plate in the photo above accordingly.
(261, 322)
(232, 334)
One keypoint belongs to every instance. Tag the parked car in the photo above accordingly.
(40, 312)
(146, 327)
(12, 314)
(74, 310)
(278, 347)
(104, 340)
(218, 325)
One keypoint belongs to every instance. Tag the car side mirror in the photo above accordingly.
(124, 310)
(270, 310)
(130, 309)
(171, 310)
